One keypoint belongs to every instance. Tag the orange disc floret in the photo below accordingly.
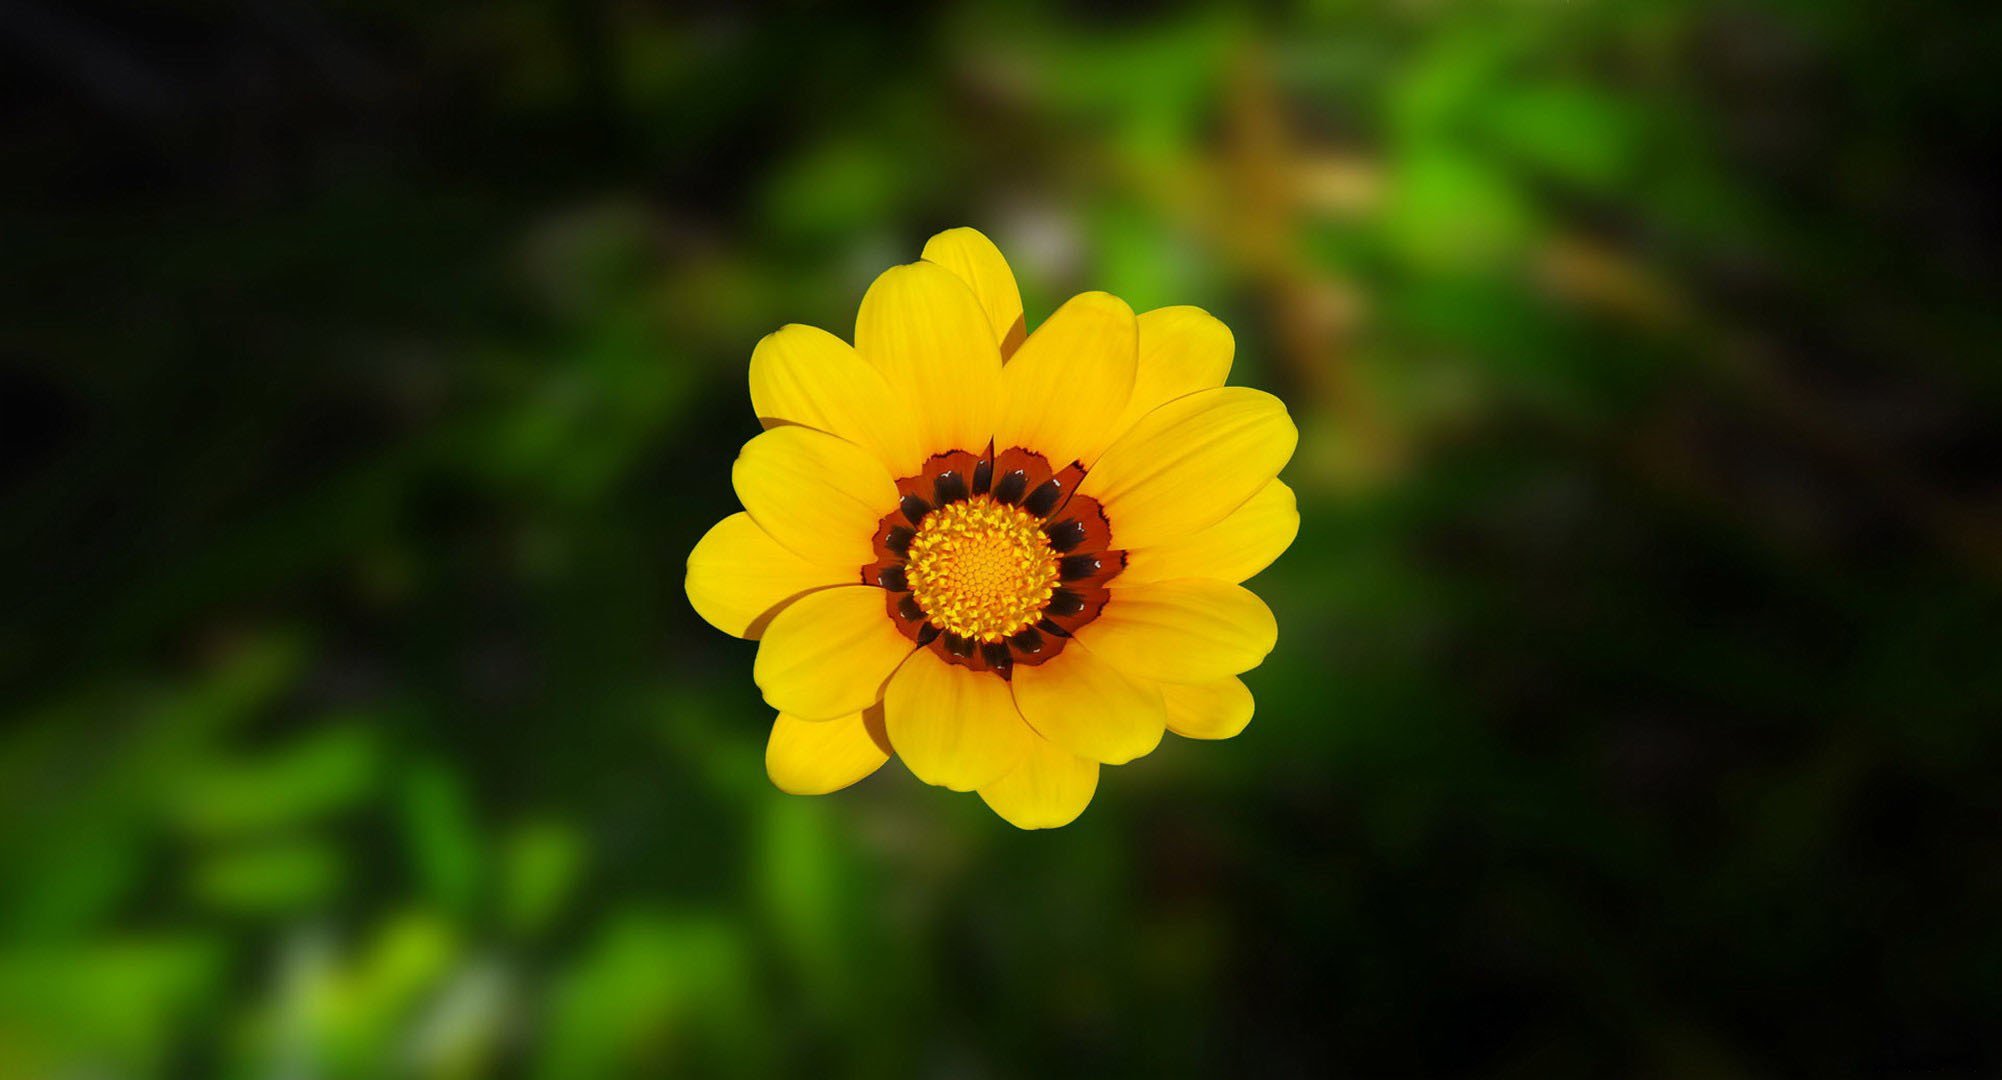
(982, 569)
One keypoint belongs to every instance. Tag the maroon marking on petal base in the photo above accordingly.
(949, 487)
(892, 539)
(1018, 472)
(1011, 486)
(1093, 570)
(1073, 606)
(998, 658)
(1065, 481)
(1046, 497)
(924, 487)
(1066, 535)
(904, 612)
(1064, 603)
(1080, 527)
(1069, 568)
(1089, 557)
(1075, 524)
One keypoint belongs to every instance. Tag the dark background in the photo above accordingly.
(370, 368)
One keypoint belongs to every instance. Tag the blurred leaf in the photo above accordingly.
(114, 1007)
(1146, 266)
(317, 774)
(1431, 95)
(444, 840)
(654, 993)
(80, 809)
(466, 1029)
(833, 189)
(804, 868)
(540, 865)
(1144, 92)
(273, 877)
(362, 1018)
(70, 880)
(1574, 133)
(572, 429)
(1450, 211)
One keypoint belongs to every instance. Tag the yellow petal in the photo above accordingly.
(1231, 550)
(1085, 705)
(829, 653)
(1216, 710)
(1189, 463)
(1182, 350)
(1050, 788)
(974, 258)
(739, 577)
(805, 375)
(814, 757)
(816, 494)
(1192, 630)
(953, 727)
(1073, 372)
(923, 329)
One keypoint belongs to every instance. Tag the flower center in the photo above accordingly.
(982, 569)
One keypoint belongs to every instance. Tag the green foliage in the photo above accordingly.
(322, 773)
(444, 839)
(1633, 708)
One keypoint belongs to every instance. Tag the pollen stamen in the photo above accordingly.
(982, 569)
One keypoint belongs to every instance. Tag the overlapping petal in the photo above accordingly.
(814, 757)
(953, 727)
(829, 653)
(1181, 350)
(1213, 710)
(1050, 788)
(1189, 463)
(1232, 550)
(739, 577)
(805, 375)
(818, 495)
(1090, 708)
(922, 327)
(1069, 376)
(1191, 630)
(975, 260)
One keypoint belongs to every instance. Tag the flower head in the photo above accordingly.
(1007, 558)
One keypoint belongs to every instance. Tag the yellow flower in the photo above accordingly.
(1008, 558)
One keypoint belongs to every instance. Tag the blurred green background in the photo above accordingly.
(370, 369)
